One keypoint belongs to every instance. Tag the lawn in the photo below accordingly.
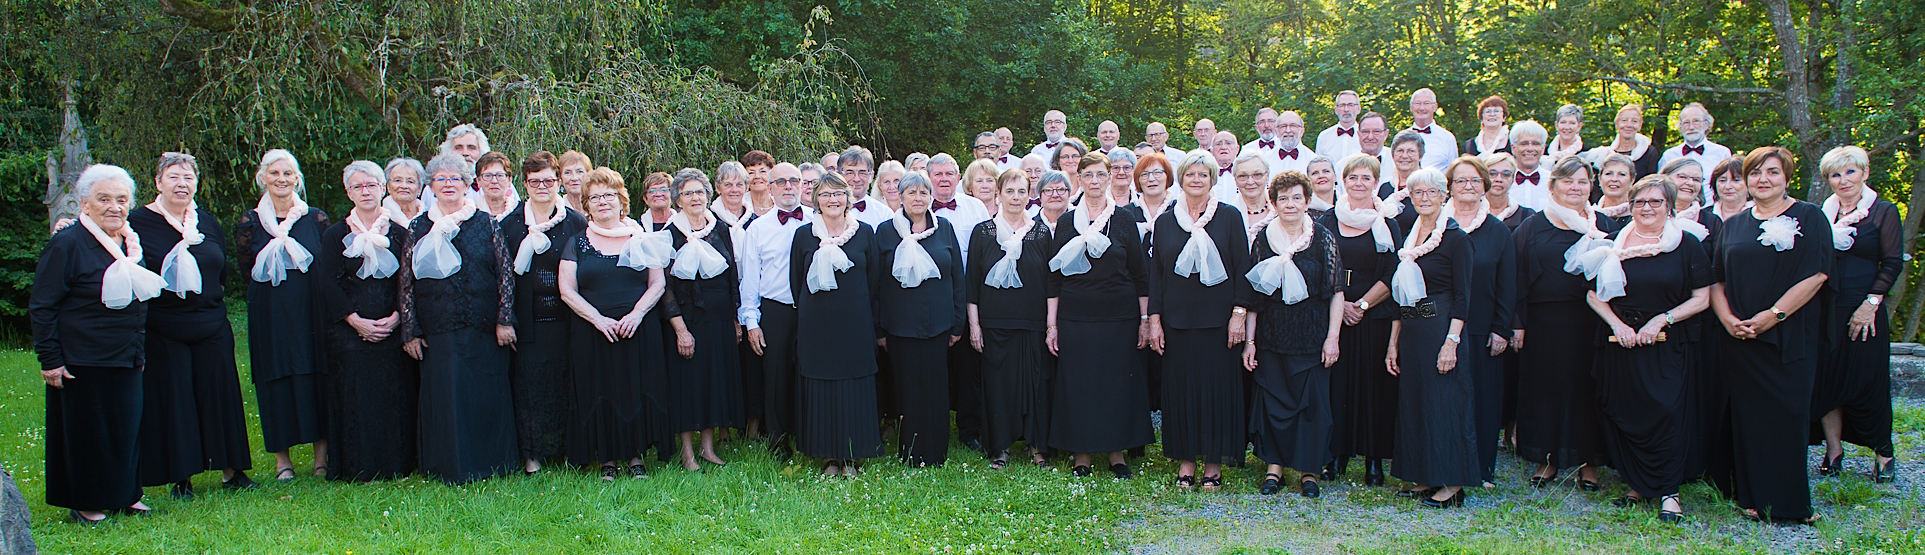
(757, 505)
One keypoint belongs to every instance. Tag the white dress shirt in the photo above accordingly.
(1440, 147)
(1225, 188)
(1267, 151)
(1337, 147)
(1174, 154)
(1712, 155)
(1281, 161)
(1534, 196)
(964, 217)
(872, 210)
(1008, 162)
(765, 264)
(1044, 149)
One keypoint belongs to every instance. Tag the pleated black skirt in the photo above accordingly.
(193, 418)
(1770, 415)
(93, 439)
(617, 387)
(374, 399)
(1436, 412)
(540, 382)
(1100, 397)
(467, 417)
(1016, 384)
(1557, 418)
(1363, 394)
(1644, 394)
(1290, 414)
(706, 390)
(292, 410)
(1203, 400)
(836, 419)
(921, 382)
(1856, 380)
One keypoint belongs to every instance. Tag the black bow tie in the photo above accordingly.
(1351, 132)
(942, 205)
(1531, 177)
(1004, 159)
(1223, 171)
(1035, 202)
(1425, 130)
(783, 216)
(1689, 150)
(1291, 154)
(1049, 145)
(1266, 144)
(861, 205)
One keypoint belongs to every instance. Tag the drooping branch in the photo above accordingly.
(1891, 143)
(202, 15)
(1677, 86)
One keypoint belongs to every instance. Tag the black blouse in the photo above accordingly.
(1517, 218)
(935, 307)
(157, 237)
(1297, 329)
(1660, 282)
(1540, 264)
(1875, 259)
(1364, 267)
(1755, 276)
(481, 293)
(1185, 303)
(1108, 291)
(1708, 217)
(698, 298)
(344, 292)
(70, 326)
(538, 292)
(1494, 290)
(1020, 308)
(833, 321)
(1448, 270)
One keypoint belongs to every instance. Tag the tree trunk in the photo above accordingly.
(1914, 214)
(1798, 94)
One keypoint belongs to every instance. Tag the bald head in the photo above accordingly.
(1107, 133)
(1007, 139)
(1204, 132)
(785, 183)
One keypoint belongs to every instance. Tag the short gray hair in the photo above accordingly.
(449, 161)
(810, 166)
(1411, 136)
(856, 153)
(171, 159)
(410, 164)
(683, 177)
(1314, 158)
(277, 155)
(1118, 154)
(912, 180)
(731, 168)
(1252, 155)
(913, 158)
(363, 166)
(104, 173)
(1569, 110)
(1426, 175)
(939, 158)
(1529, 127)
(463, 130)
(1192, 158)
(1052, 176)
(1057, 154)
(1679, 164)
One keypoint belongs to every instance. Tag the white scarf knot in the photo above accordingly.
(1371, 218)
(1199, 255)
(396, 214)
(179, 269)
(697, 258)
(282, 252)
(1477, 220)
(1280, 272)
(644, 249)
(1090, 240)
(1407, 285)
(1589, 236)
(1319, 204)
(125, 281)
(913, 264)
(1003, 275)
(829, 257)
(1618, 211)
(1504, 214)
(1844, 230)
(435, 256)
(1780, 232)
(537, 241)
(370, 244)
(1605, 264)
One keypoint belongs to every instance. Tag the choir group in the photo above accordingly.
(1366, 298)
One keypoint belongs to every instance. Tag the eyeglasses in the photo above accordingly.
(1095, 175)
(1252, 175)
(1055, 121)
(1351, 104)
(858, 173)
(533, 183)
(1156, 172)
(1693, 121)
(1290, 126)
(692, 193)
(833, 194)
(981, 147)
(1504, 173)
(446, 180)
(1416, 193)
(658, 190)
(364, 186)
(1690, 178)
(946, 173)
(1124, 169)
(786, 181)
(1157, 134)
(1652, 202)
(604, 197)
(1055, 191)
(1467, 181)
(494, 176)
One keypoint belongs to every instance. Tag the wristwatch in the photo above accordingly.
(1874, 301)
(1453, 338)
(1237, 310)
(1670, 320)
(1363, 305)
(1780, 314)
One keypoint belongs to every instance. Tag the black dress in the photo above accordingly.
(836, 332)
(1363, 394)
(467, 419)
(1491, 299)
(1771, 378)
(706, 390)
(1708, 449)
(919, 322)
(373, 388)
(1100, 398)
(1017, 366)
(1856, 376)
(539, 376)
(193, 418)
(1203, 395)
(1436, 412)
(1517, 217)
(1645, 393)
(1511, 357)
(284, 338)
(1290, 420)
(93, 420)
(618, 388)
(1557, 418)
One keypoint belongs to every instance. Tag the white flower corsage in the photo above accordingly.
(1780, 233)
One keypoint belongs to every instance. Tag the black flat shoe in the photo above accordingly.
(238, 482)
(1122, 472)
(1588, 485)
(1311, 488)
(183, 490)
(973, 444)
(1080, 470)
(130, 511)
(1543, 481)
(1374, 472)
(1626, 502)
(1884, 473)
(1272, 483)
(1187, 483)
(1830, 466)
(1455, 500)
(1416, 493)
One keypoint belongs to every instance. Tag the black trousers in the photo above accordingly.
(778, 370)
(966, 390)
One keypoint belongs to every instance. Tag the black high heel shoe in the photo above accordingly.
(1333, 469)
(1374, 472)
(1884, 473)
(1830, 466)
(1455, 500)
(1544, 481)
(1272, 483)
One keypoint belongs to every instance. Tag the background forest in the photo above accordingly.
(648, 85)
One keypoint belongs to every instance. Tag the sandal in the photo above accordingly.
(1627, 501)
(1272, 483)
(1417, 492)
(637, 471)
(831, 468)
(1670, 516)
(608, 473)
(999, 462)
(284, 475)
(1210, 484)
(321, 471)
(1186, 483)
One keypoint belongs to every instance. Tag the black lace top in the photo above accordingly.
(700, 299)
(481, 293)
(346, 293)
(1875, 259)
(1297, 329)
(538, 292)
(1018, 308)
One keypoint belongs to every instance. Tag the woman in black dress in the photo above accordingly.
(1771, 261)
(923, 313)
(1363, 397)
(1709, 449)
(1100, 399)
(1557, 416)
(192, 418)
(537, 231)
(619, 377)
(834, 264)
(1854, 388)
(373, 385)
(277, 240)
(1488, 325)
(1503, 172)
(1652, 276)
(706, 379)
(89, 313)
(1196, 281)
(458, 318)
(1008, 265)
(1436, 400)
(1687, 180)
(1613, 193)
(1296, 327)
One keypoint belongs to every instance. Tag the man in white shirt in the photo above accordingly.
(1440, 147)
(470, 142)
(1694, 123)
(1033, 167)
(1266, 141)
(858, 169)
(1532, 186)
(962, 211)
(1107, 135)
(1204, 133)
(1290, 154)
(1054, 123)
(1224, 149)
(768, 304)
(1004, 160)
(1340, 140)
(1372, 130)
(1159, 138)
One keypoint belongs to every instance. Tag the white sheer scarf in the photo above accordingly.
(282, 253)
(179, 269)
(1090, 240)
(829, 257)
(697, 258)
(537, 241)
(1281, 272)
(125, 281)
(435, 256)
(369, 242)
(912, 264)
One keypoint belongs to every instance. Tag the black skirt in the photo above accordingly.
(836, 419)
(374, 393)
(1436, 412)
(1016, 378)
(617, 411)
(1770, 415)
(540, 382)
(1856, 380)
(467, 426)
(1644, 395)
(1487, 385)
(193, 418)
(1363, 394)
(1203, 401)
(292, 410)
(921, 391)
(1290, 414)
(706, 389)
(1100, 397)
(93, 439)
(1557, 416)
(1708, 452)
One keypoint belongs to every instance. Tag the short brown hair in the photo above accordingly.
(1758, 156)
(540, 160)
(1286, 181)
(574, 158)
(1092, 159)
(604, 177)
(492, 158)
(757, 158)
(1733, 166)
(1483, 172)
(1494, 101)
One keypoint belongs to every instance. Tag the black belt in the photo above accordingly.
(1424, 309)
